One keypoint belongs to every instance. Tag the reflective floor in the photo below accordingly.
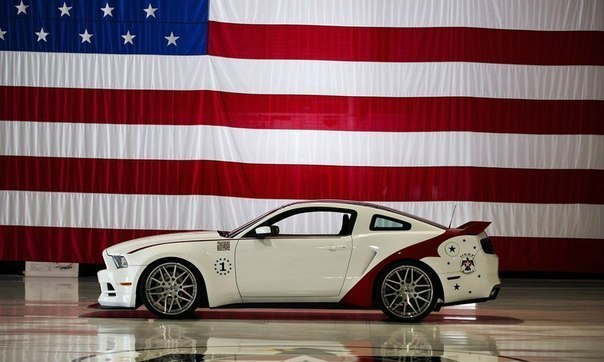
(49, 319)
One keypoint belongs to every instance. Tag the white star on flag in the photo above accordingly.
(107, 10)
(150, 11)
(86, 36)
(21, 8)
(128, 38)
(65, 9)
(2, 34)
(171, 39)
(41, 34)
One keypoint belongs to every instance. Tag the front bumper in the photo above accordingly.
(118, 287)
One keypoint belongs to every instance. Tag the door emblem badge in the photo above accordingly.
(223, 266)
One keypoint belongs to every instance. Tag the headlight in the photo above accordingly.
(120, 261)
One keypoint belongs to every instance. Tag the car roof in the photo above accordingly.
(370, 205)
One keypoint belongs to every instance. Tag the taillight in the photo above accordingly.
(487, 246)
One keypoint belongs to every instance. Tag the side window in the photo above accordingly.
(320, 222)
(385, 223)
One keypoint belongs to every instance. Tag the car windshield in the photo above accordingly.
(236, 231)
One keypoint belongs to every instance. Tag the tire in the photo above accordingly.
(170, 288)
(407, 292)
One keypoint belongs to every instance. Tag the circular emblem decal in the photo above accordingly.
(451, 249)
(223, 266)
(467, 263)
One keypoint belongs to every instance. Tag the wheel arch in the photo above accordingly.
(384, 270)
(203, 301)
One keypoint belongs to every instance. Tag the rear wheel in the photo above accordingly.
(170, 289)
(407, 292)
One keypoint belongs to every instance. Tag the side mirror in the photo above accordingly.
(264, 231)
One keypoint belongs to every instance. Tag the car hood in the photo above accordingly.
(132, 245)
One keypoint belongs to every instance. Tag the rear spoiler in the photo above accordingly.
(473, 227)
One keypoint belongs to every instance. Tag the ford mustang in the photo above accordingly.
(346, 253)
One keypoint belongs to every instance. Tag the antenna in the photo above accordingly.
(453, 214)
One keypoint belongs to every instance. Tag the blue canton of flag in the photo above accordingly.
(105, 26)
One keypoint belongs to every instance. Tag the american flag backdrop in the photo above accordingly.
(126, 118)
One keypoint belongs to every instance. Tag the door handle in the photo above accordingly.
(337, 247)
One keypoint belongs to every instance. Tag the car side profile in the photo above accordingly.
(347, 253)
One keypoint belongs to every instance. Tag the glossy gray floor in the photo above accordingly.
(48, 319)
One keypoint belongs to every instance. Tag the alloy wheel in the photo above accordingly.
(171, 289)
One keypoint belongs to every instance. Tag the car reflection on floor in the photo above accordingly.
(216, 341)
(47, 319)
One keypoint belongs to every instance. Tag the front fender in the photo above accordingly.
(215, 264)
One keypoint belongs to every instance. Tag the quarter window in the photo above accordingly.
(385, 223)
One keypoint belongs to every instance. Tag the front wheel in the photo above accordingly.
(407, 292)
(170, 289)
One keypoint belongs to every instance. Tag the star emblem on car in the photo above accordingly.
(451, 249)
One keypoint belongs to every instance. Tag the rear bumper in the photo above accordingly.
(494, 292)
(480, 284)
(493, 295)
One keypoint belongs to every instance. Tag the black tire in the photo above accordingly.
(407, 292)
(171, 288)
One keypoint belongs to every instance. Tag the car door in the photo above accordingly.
(308, 257)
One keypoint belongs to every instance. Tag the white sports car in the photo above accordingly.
(346, 253)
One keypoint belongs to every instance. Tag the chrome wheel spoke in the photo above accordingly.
(184, 275)
(159, 300)
(163, 272)
(155, 280)
(165, 304)
(403, 303)
(187, 294)
(393, 284)
(392, 306)
(422, 299)
(419, 279)
(390, 294)
(410, 304)
(178, 303)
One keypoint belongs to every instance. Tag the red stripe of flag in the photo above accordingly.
(180, 177)
(309, 112)
(62, 244)
(369, 44)
(558, 255)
